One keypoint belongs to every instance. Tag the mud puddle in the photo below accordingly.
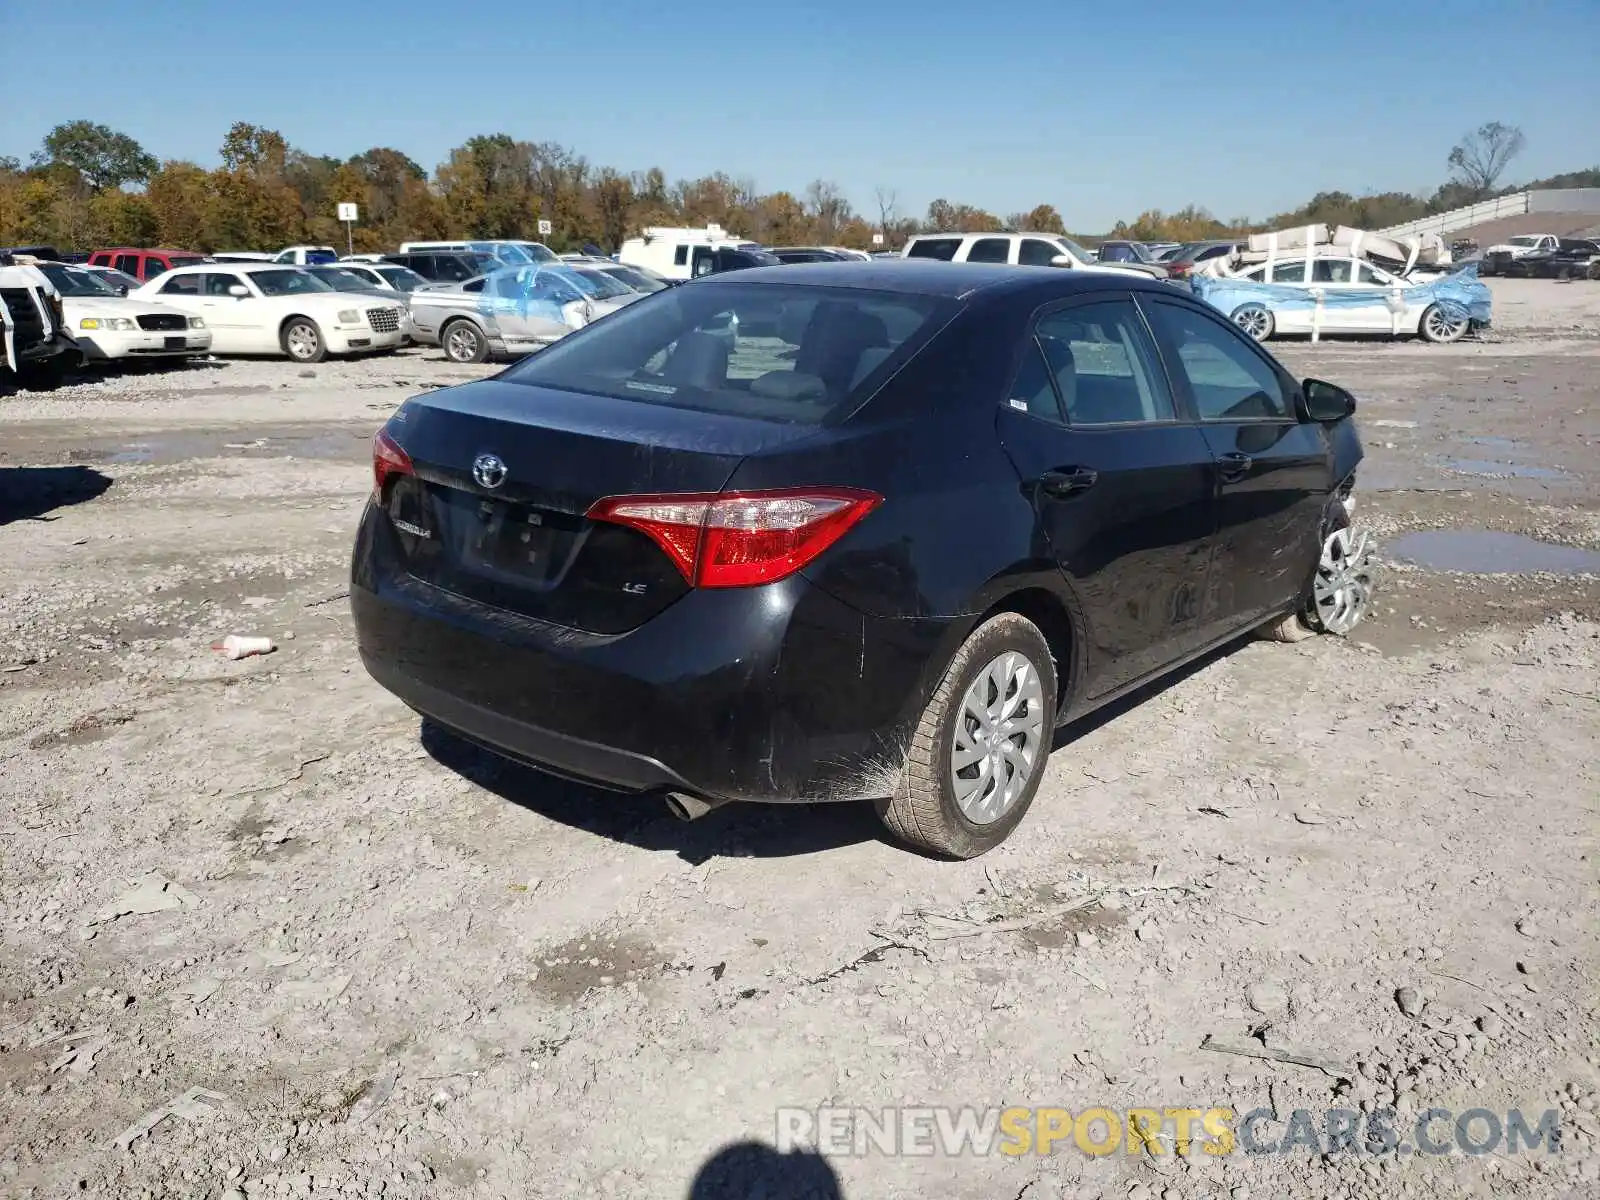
(1487, 552)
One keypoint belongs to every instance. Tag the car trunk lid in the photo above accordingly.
(502, 476)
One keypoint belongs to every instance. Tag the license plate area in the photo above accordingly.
(175, 343)
(512, 541)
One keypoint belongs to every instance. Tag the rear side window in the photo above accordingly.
(129, 263)
(1104, 365)
(990, 250)
(1213, 252)
(1228, 379)
(793, 354)
(943, 249)
(182, 285)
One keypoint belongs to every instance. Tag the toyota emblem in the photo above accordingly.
(488, 470)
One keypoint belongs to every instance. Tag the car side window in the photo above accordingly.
(942, 248)
(680, 256)
(475, 286)
(990, 250)
(1104, 366)
(1290, 270)
(1213, 252)
(128, 263)
(218, 285)
(1033, 392)
(1229, 379)
(182, 285)
(1116, 253)
(1330, 270)
(1035, 253)
(1366, 275)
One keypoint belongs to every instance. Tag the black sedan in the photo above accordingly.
(866, 531)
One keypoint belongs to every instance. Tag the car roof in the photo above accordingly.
(931, 277)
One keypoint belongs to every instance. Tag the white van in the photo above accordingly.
(690, 253)
(512, 251)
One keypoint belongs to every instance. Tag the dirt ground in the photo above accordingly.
(398, 968)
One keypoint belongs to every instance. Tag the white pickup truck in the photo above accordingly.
(1496, 257)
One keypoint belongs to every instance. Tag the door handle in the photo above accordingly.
(1067, 482)
(1234, 466)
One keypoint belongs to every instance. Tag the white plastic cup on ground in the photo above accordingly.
(235, 646)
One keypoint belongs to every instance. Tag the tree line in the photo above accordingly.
(90, 186)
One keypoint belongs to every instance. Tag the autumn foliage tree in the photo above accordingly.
(89, 185)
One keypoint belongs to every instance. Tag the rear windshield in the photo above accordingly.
(799, 355)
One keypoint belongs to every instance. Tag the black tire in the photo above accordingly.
(302, 341)
(45, 376)
(463, 342)
(923, 809)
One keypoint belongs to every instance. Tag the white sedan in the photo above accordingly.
(271, 309)
(106, 325)
(1349, 295)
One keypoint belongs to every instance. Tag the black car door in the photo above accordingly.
(1273, 472)
(1121, 481)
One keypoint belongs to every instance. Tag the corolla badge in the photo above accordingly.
(488, 470)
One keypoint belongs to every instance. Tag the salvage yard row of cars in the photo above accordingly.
(503, 298)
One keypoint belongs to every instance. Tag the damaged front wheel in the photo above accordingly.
(1341, 589)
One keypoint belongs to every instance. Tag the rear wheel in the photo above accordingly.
(981, 746)
(1443, 325)
(464, 342)
(302, 341)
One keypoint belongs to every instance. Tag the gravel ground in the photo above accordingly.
(395, 967)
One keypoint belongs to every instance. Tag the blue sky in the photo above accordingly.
(1100, 109)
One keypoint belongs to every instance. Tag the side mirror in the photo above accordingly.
(1326, 402)
(239, 290)
(1061, 260)
(122, 289)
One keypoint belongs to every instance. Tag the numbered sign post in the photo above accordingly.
(349, 214)
(877, 239)
(546, 229)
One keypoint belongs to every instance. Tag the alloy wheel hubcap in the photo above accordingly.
(463, 344)
(1443, 326)
(302, 342)
(1253, 321)
(1342, 592)
(999, 738)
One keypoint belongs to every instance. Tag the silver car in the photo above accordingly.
(514, 310)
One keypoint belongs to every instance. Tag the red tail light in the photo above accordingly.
(1180, 268)
(388, 460)
(737, 539)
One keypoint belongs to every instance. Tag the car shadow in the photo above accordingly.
(1087, 724)
(748, 1170)
(33, 493)
(751, 830)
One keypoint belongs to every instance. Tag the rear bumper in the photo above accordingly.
(775, 694)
